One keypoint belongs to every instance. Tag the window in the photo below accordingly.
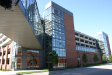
(0, 53)
(57, 12)
(4, 53)
(32, 52)
(7, 60)
(3, 61)
(8, 52)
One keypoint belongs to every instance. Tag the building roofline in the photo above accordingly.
(101, 32)
(51, 3)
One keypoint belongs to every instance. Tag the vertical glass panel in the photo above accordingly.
(55, 11)
(24, 3)
(53, 49)
(18, 62)
(59, 42)
(53, 42)
(61, 62)
(64, 53)
(18, 50)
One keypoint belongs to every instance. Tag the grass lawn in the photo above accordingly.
(32, 72)
(5, 70)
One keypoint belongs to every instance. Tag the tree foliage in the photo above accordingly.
(7, 4)
(95, 58)
(54, 57)
(84, 58)
(104, 59)
(110, 58)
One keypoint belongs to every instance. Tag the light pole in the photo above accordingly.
(78, 61)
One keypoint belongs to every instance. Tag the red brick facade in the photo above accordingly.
(70, 43)
(108, 45)
(71, 53)
(4, 64)
(90, 56)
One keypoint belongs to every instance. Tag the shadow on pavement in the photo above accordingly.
(99, 70)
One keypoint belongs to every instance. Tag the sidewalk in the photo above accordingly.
(14, 72)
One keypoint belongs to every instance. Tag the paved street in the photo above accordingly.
(95, 70)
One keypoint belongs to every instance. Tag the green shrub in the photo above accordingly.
(84, 58)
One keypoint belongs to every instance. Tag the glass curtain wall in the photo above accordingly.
(16, 56)
(100, 46)
(103, 38)
(32, 61)
(32, 12)
(106, 46)
(83, 48)
(55, 34)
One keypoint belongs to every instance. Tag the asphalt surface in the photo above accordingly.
(94, 70)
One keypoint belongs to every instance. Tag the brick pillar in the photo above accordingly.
(1, 58)
(70, 43)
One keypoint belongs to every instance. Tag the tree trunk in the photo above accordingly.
(30, 64)
(55, 67)
(33, 65)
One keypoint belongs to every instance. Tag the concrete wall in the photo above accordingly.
(24, 58)
(87, 40)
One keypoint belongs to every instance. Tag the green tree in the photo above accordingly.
(95, 58)
(84, 58)
(110, 58)
(54, 57)
(104, 59)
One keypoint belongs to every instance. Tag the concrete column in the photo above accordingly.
(24, 58)
(84, 37)
(15, 63)
(6, 55)
(79, 44)
(42, 55)
(41, 59)
(79, 39)
(85, 46)
(88, 42)
(1, 47)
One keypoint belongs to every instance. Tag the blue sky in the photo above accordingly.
(90, 16)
